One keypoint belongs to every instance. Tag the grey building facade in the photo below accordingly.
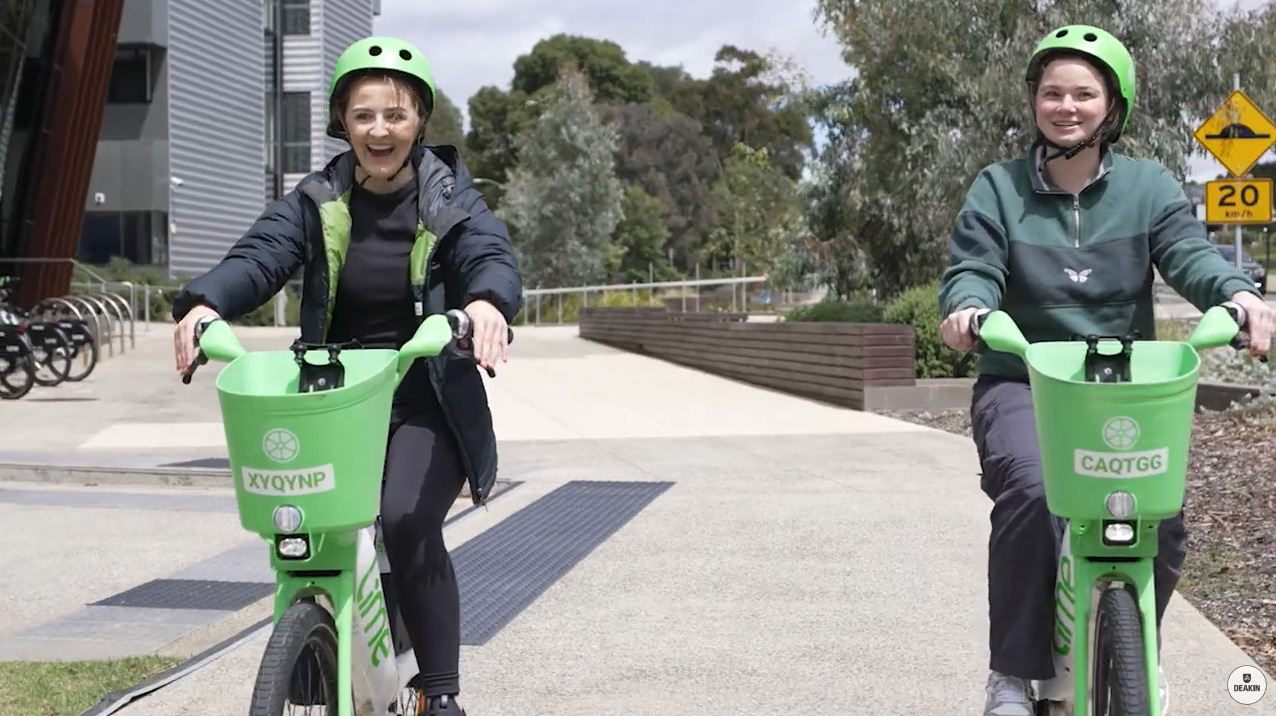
(213, 111)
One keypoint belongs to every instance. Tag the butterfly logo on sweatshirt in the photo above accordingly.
(1078, 276)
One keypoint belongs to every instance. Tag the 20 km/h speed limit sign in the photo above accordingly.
(1238, 201)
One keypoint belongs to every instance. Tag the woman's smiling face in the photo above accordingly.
(1071, 101)
(383, 119)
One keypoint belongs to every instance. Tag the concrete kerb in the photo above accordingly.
(200, 477)
(941, 394)
(104, 475)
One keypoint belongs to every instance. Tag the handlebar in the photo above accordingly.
(1234, 309)
(461, 345)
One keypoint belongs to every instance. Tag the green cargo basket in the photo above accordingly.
(322, 452)
(1096, 438)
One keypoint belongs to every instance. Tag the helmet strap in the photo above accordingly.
(1100, 134)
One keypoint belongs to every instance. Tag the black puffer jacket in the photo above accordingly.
(471, 258)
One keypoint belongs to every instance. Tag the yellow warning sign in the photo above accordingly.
(1238, 134)
(1238, 201)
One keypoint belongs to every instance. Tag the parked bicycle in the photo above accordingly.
(63, 349)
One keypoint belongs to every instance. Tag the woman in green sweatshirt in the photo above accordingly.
(1064, 240)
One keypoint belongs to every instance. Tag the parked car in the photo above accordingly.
(1255, 270)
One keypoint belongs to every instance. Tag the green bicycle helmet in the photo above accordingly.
(384, 54)
(1111, 57)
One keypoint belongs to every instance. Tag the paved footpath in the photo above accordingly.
(667, 540)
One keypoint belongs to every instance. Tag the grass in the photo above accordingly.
(68, 688)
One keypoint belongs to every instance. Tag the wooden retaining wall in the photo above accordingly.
(865, 366)
(839, 363)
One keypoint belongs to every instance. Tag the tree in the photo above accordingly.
(444, 126)
(832, 255)
(639, 241)
(747, 100)
(671, 159)
(611, 76)
(498, 117)
(563, 201)
(760, 212)
(931, 106)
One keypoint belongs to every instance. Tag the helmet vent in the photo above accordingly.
(407, 56)
(1091, 37)
(375, 50)
(1061, 33)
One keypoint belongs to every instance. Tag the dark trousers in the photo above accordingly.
(423, 478)
(1024, 546)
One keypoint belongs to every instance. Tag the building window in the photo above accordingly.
(130, 77)
(296, 126)
(132, 235)
(296, 17)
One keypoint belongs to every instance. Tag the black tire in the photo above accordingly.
(84, 353)
(299, 665)
(17, 376)
(51, 350)
(1120, 679)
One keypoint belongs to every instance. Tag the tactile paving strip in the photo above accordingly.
(207, 463)
(504, 569)
(190, 594)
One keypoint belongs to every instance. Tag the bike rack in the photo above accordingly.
(100, 306)
(108, 315)
(117, 304)
(89, 313)
(47, 308)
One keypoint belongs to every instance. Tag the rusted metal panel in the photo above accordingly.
(65, 146)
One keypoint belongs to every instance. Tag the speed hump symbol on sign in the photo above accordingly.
(1238, 201)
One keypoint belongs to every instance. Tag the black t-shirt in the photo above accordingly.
(374, 303)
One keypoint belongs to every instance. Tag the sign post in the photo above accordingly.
(1238, 134)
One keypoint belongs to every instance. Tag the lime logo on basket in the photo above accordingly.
(280, 445)
(1247, 684)
(1121, 433)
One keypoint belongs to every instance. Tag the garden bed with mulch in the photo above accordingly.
(1230, 571)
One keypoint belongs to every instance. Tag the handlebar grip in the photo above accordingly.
(977, 321)
(463, 330)
(1237, 312)
(200, 359)
(1241, 316)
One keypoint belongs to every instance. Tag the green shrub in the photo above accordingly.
(919, 307)
(837, 312)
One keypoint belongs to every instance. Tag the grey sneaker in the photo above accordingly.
(1008, 696)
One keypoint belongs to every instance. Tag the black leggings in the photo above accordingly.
(423, 478)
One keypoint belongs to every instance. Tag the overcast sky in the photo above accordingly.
(473, 43)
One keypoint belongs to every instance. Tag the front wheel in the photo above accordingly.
(17, 376)
(299, 666)
(51, 351)
(1120, 681)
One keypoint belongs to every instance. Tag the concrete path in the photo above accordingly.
(805, 559)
